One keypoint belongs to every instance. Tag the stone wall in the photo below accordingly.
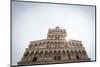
(54, 49)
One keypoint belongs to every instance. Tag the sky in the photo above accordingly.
(31, 21)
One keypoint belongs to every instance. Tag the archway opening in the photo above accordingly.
(57, 58)
(77, 57)
(34, 59)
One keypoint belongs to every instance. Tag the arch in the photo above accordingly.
(73, 44)
(46, 52)
(83, 51)
(35, 44)
(66, 44)
(44, 42)
(32, 53)
(48, 45)
(59, 42)
(55, 52)
(80, 52)
(50, 52)
(62, 43)
(71, 52)
(34, 59)
(80, 44)
(30, 46)
(76, 52)
(57, 57)
(68, 54)
(48, 42)
(58, 36)
(51, 42)
(41, 53)
(26, 54)
(40, 43)
(55, 42)
(37, 52)
(59, 52)
(64, 31)
(52, 36)
(49, 36)
(77, 44)
(61, 36)
(63, 51)
(55, 36)
(77, 57)
(49, 31)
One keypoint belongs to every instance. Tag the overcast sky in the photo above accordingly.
(31, 21)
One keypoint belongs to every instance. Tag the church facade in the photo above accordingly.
(54, 49)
